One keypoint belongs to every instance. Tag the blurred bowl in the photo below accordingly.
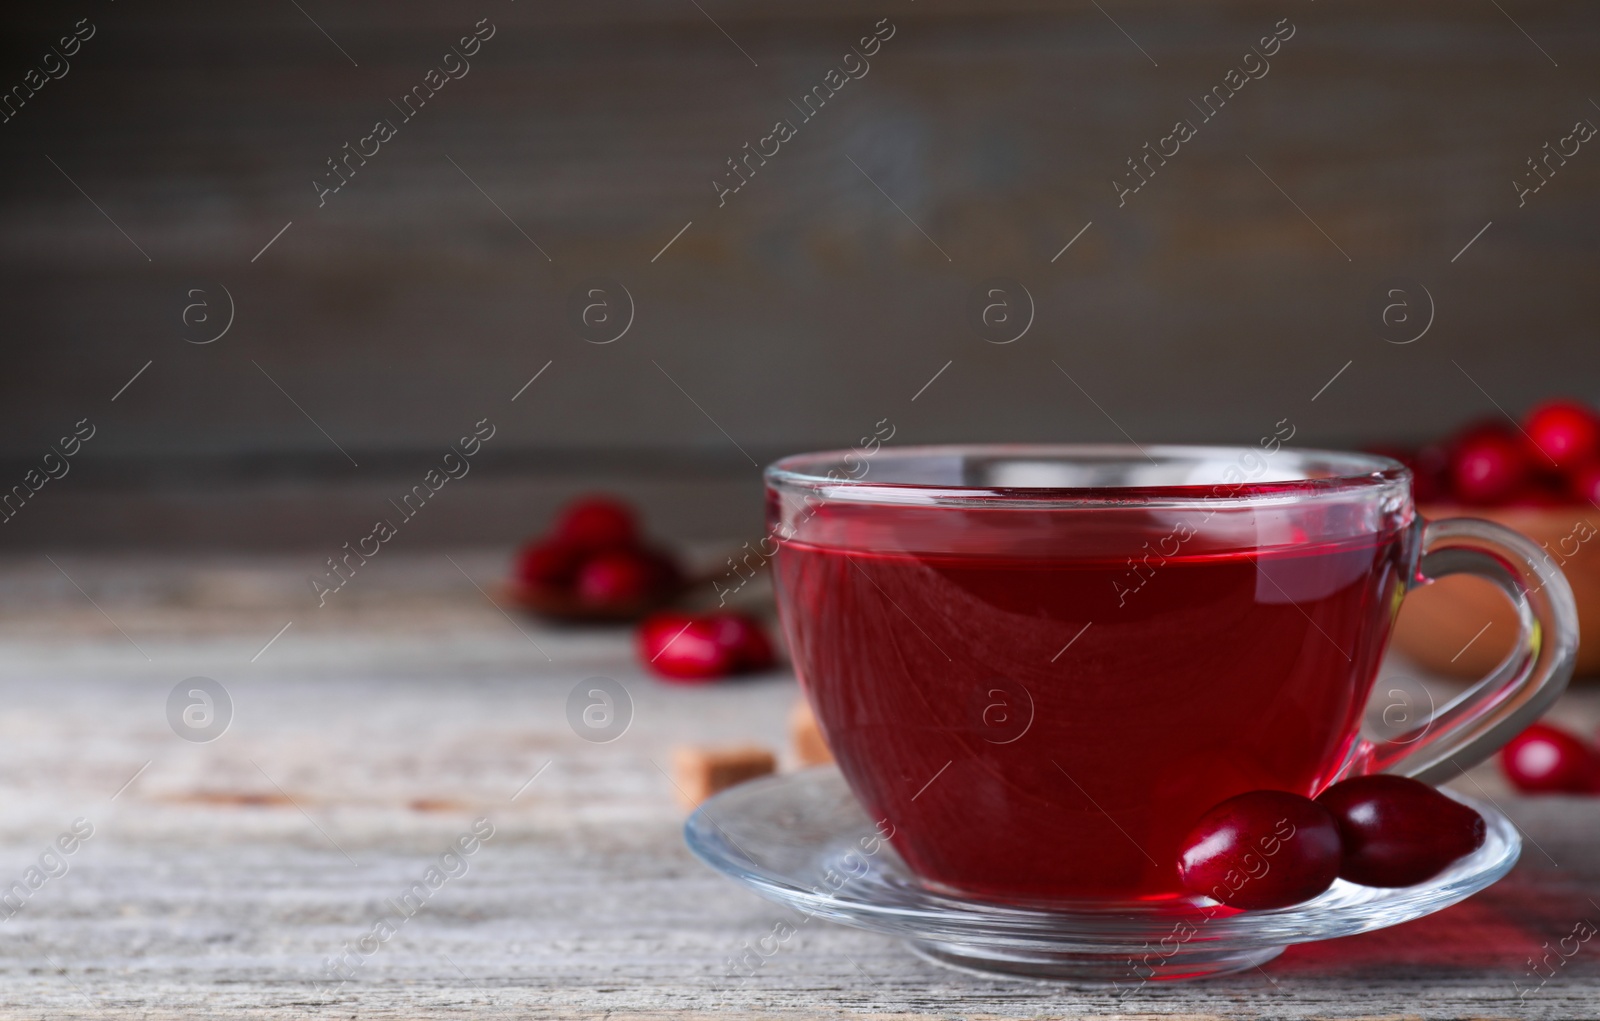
(1462, 626)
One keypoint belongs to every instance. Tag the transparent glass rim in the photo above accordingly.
(1344, 472)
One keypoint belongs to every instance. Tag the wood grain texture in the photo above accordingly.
(371, 734)
(806, 307)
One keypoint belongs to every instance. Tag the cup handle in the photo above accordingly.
(1474, 725)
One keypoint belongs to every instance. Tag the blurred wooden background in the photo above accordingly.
(819, 300)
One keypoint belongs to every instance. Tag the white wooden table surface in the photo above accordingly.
(373, 731)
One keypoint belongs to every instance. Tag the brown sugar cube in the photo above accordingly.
(806, 737)
(702, 772)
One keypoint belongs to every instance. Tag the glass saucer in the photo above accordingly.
(802, 840)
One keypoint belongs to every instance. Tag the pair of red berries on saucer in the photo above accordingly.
(1270, 849)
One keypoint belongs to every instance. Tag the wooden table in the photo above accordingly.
(221, 876)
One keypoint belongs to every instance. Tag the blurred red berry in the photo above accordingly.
(1539, 494)
(680, 647)
(744, 635)
(1547, 760)
(1583, 483)
(598, 522)
(549, 564)
(1263, 849)
(1430, 467)
(617, 578)
(1488, 467)
(1566, 431)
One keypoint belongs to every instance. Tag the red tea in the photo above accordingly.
(1045, 705)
